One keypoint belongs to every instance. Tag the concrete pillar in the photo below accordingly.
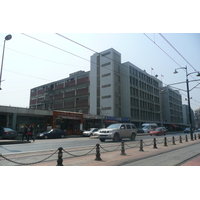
(14, 121)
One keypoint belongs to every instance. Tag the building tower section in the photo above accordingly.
(105, 83)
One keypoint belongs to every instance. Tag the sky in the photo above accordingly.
(29, 63)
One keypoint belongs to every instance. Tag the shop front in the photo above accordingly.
(70, 121)
(92, 121)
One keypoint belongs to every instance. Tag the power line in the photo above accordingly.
(41, 58)
(161, 49)
(178, 53)
(75, 42)
(27, 75)
(176, 50)
(55, 47)
(93, 50)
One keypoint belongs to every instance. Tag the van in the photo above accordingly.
(147, 127)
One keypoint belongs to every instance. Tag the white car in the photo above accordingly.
(116, 132)
(90, 132)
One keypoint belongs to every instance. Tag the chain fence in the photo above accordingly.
(141, 144)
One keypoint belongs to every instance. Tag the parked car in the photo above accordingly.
(89, 132)
(147, 127)
(165, 129)
(117, 132)
(187, 130)
(53, 133)
(8, 133)
(158, 131)
(96, 133)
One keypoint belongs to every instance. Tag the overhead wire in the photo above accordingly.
(41, 58)
(55, 47)
(161, 49)
(92, 49)
(177, 51)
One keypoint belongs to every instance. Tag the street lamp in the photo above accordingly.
(188, 96)
(8, 37)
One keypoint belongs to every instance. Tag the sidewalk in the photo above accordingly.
(181, 154)
(172, 155)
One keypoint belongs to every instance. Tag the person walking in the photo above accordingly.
(30, 133)
(25, 133)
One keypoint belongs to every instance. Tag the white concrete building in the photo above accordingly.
(105, 87)
(123, 90)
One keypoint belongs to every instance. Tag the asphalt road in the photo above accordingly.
(66, 143)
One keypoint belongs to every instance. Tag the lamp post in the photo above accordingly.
(188, 96)
(8, 37)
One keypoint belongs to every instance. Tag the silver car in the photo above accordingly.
(90, 132)
(117, 132)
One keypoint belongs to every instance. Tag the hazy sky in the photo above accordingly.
(29, 63)
(118, 24)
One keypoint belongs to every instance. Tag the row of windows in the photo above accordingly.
(174, 100)
(144, 105)
(144, 115)
(106, 108)
(144, 86)
(143, 76)
(143, 95)
(58, 83)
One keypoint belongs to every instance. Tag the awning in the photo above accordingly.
(174, 125)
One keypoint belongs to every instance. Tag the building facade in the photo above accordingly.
(114, 91)
(69, 94)
(197, 118)
(105, 87)
(172, 108)
(140, 93)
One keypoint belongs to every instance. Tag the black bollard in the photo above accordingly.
(198, 136)
(122, 149)
(165, 142)
(180, 139)
(98, 158)
(186, 138)
(173, 140)
(141, 145)
(154, 143)
(195, 137)
(60, 160)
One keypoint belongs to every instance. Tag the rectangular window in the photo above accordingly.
(104, 75)
(105, 54)
(106, 108)
(128, 126)
(106, 97)
(106, 64)
(104, 86)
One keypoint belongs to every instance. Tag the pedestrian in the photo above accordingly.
(30, 133)
(25, 132)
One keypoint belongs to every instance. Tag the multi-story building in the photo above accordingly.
(113, 90)
(172, 108)
(105, 83)
(140, 95)
(123, 90)
(69, 94)
(197, 118)
(186, 118)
